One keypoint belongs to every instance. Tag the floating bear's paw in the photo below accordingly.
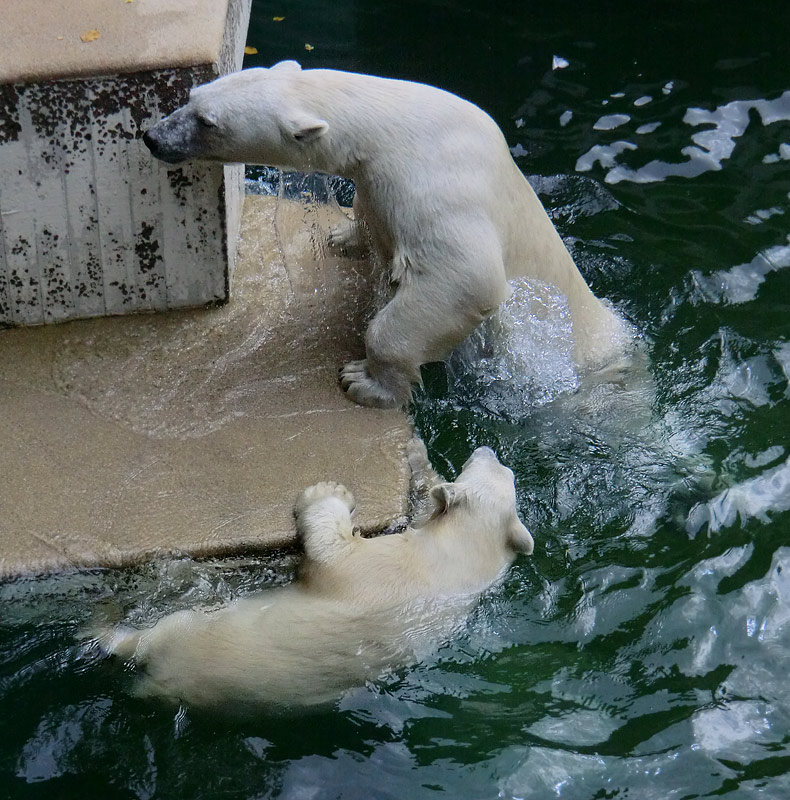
(320, 491)
(364, 389)
(344, 235)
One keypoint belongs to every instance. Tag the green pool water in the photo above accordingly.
(643, 651)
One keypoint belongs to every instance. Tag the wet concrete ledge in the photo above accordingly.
(127, 438)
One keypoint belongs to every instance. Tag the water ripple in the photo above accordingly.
(755, 498)
(710, 147)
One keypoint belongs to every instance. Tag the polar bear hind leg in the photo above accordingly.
(121, 641)
(425, 320)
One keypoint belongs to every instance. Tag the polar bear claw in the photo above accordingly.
(364, 389)
(345, 235)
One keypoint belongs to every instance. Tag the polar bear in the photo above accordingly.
(445, 205)
(357, 607)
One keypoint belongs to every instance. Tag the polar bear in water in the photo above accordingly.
(445, 206)
(357, 606)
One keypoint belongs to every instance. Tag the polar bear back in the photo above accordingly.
(284, 647)
(439, 187)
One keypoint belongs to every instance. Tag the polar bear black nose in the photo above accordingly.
(150, 142)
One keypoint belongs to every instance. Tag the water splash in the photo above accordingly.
(522, 356)
(296, 311)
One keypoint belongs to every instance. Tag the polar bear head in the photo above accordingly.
(257, 116)
(484, 497)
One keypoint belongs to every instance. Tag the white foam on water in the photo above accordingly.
(648, 127)
(616, 452)
(611, 121)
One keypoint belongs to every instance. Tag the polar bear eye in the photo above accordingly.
(206, 121)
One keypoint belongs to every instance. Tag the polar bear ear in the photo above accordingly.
(519, 537)
(287, 66)
(445, 496)
(307, 129)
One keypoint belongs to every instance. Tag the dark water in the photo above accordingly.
(644, 650)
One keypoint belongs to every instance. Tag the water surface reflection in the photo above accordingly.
(642, 652)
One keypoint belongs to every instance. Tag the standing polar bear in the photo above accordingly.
(357, 607)
(446, 207)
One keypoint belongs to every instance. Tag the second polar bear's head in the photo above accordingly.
(252, 116)
(485, 490)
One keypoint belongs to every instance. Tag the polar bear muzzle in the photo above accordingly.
(179, 137)
(160, 149)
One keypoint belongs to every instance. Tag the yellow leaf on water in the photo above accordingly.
(250, 51)
(278, 19)
(90, 36)
(309, 47)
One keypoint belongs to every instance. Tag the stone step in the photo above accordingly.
(128, 438)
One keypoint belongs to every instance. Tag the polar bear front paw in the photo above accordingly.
(364, 389)
(312, 494)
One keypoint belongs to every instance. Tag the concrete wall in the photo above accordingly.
(90, 224)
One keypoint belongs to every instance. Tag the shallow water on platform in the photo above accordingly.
(643, 650)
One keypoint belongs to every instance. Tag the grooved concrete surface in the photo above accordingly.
(123, 438)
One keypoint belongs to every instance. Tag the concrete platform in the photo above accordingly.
(128, 437)
(56, 39)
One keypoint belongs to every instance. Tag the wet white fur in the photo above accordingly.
(357, 607)
(446, 207)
